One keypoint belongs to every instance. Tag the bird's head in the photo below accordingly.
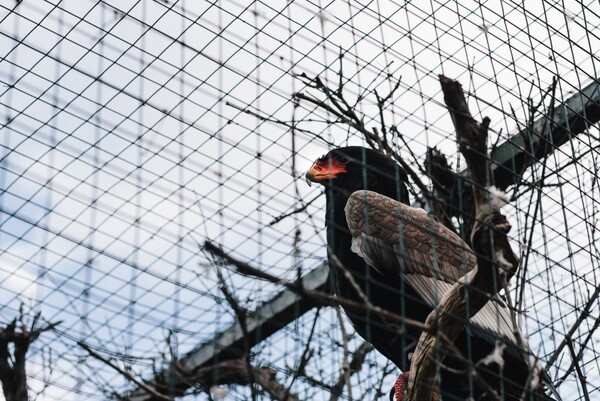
(349, 169)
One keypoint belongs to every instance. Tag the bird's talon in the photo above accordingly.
(401, 386)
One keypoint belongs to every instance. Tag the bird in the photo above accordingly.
(385, 253)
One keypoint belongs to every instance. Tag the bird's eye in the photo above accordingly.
(342, 159)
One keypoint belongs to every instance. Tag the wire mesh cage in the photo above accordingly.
(133, 132)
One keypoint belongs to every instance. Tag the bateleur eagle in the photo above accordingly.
(403, 260)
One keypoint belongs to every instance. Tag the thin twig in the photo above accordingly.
(353, 366)
(582, 347)
(344, 378)
(344, 112)
(150, 390)
(277, 121)
(241, 315)
(580, 374)
(580, 319)
(295, 211)
(306, 355)
(541, 141)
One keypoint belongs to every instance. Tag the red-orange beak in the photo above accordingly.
(325, 170)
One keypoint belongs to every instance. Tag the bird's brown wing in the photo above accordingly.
(395, 238)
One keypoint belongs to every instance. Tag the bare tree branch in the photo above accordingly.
(580, 374)
(300, 369)
(350, 368)
(295, 211)
(344, 378)
(584, 314)
(240, 314)
(344, 113)
(327, 299)
(149, 389)
(582, 347)
(320, 297)
(235, 371)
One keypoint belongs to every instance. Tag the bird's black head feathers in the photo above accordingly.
(349, 169)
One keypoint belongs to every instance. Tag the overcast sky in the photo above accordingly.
(123, 146)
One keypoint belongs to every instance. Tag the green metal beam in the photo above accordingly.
(528, 146)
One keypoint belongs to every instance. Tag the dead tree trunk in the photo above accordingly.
(496, 262)
(13, 374)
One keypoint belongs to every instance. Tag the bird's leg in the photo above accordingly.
(401, 386)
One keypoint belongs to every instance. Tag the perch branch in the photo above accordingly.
(495, 258)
